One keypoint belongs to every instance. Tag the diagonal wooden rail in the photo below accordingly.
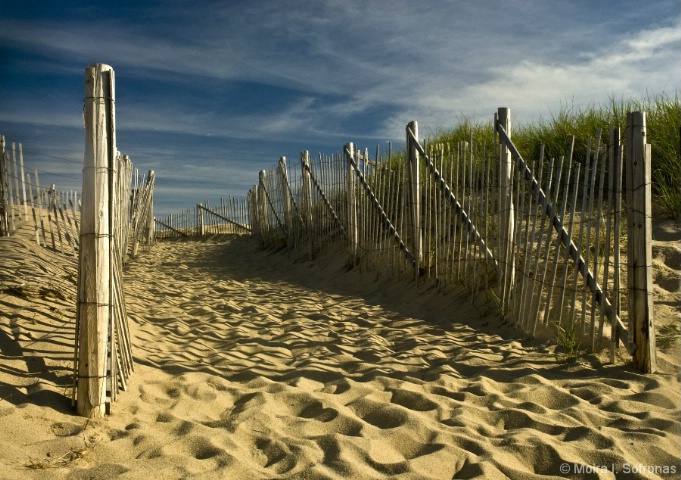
(306, 166)
(165, 225)
(451, 198)
(384, 217)
(269, 200)
(549, 211)
(213, 212)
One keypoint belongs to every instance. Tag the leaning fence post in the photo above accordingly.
(353, 227)
(506, 209)
(307, 199)
(415, 188)
(23, 178)
(639, 251)
(263, 215)
(17, 198)
(4, 197)
(151, 226)
(95, 242)
(286, 199)
(254, 217)
(199, 215)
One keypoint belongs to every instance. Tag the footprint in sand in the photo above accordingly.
(66, 429)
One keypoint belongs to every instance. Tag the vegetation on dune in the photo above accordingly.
(663, 118)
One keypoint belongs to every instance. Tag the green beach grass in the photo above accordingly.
(663, 119)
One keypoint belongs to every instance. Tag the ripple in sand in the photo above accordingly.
(588, 437)
(317, 411)
(200, 392)
(386, 418)
(551, 397)
(519, 419)
(201, 448)
(165, 417)
(66, 429)
(653, 399)
(388, 469)
(275, 455)
(413, 400)
(106, 470)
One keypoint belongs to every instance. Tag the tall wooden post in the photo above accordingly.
(95, 242)
(353, 226)
(615, 152)
(506, 209)
(199, 215)
(639, 266)
(253, 215)
(151, 225)
(415, 194)
(23, 177)
(286, 201)
(250, 205)
(16, 198)
(263, 217)
(4, 188)
(307, 200)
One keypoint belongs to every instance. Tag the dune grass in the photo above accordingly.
(663, 117)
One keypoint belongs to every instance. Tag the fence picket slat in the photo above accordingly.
(546, 250)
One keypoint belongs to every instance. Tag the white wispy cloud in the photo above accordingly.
(328, 71)
(435, 61)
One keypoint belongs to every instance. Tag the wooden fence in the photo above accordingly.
(53, 213)
(115, 218)
(230, 217)
(541, 240)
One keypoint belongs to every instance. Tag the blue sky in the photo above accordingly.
(209, 93)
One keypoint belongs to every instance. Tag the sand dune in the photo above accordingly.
(249, 365)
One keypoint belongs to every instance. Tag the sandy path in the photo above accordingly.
(264, 368)
(249, 366)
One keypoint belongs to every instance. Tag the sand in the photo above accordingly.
(251, 366)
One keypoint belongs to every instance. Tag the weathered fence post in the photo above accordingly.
(640, 272)
(199, 216)
(307, 200)
(506, 209)
(250, 204)
(415, 189)
(17, 200)
(4, 186)
(262, 209)
(353, 224)
(151, 225)
(23, 177)
(143, 209)
(286, 199)
(615, 148)
(94, 293)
